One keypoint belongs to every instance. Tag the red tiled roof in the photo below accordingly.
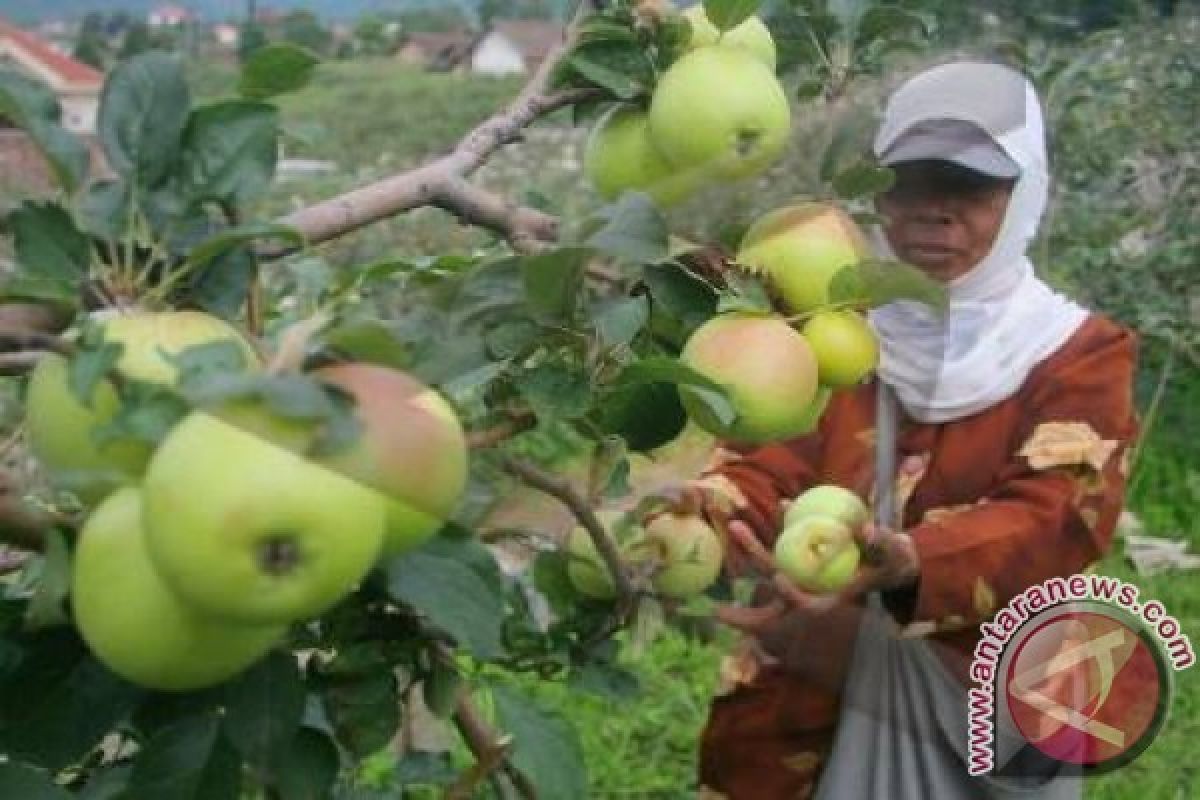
(68, 69)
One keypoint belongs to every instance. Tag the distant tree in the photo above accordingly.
(138, 39)
(303, 28)
(435, 20)
(376, 36)
(250, 39)
(92, 49)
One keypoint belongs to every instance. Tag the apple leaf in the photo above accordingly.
(27, 783)
(441, 687)
(91, 363)
(189, 760)
(59, 702)
(553, 280)
(148, 412)
(605, 680)
(211, 249)
(863, 180)
(276, 69)
(308, 767)
(632, 229)
(619, 320)
(364, 710)
(52, 254)
(143, 111)
(874, 283)
(107, 784)
(727, 14)
(452, 594)
(369, 341)
(546, 748)
(32, 107)
(229, 151)
(556, 390)
(263, 708)
(47, 607)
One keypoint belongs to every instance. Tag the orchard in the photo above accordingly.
(257, 546)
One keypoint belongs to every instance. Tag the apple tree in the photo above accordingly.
(253, 550)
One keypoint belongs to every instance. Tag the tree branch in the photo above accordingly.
(578, 505)
(33, 317)
(24, 527)
(33, 340)
(501, 431)
(441, 182)
(13, 364)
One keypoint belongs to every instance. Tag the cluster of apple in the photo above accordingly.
(677, 553)
(197, 554)
(818, 550)
(718, 113)
(779, 380)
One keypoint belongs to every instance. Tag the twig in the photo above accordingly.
(33, 340)
(565, 493)
(20, 363)
(24, 527)
(442, 182)
(33, 317)
(501, 431)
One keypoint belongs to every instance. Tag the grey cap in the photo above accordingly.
(955, 112)
(960, 142)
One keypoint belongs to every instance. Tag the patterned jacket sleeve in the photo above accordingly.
(1055, 504)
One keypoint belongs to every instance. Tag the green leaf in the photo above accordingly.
(90, 365)
(52, 254)
(441, 688)
(680, 301)
(452, 595)
(546, 748)
(214, 247)
(143, 111)
(308, 768)
(60, 702)
(365, 711)
(619, 320)
(891, 22)
(727, 14)
(848, 12)
(103, 209)
(222, 286)
(633, 230)
(863, 180)
(556, 390)
(644, 414)
(263, 708)
(553, 281)
(620, 67)
(22, 782)
(189, 760)
(606, 680)
(32, 107)
(876, 283)
(276, 69)
(110, 784)
(657, 369)
(369, 341)
(48, 606)
(148, 412)
(551, 580)
(229, 152)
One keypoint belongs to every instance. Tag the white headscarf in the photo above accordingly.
(1002, 319)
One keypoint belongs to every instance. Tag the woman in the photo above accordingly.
(1015, 413)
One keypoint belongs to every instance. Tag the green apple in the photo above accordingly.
(767, 369)
(751, 35)
(828, 501)
(621, 157)
(412, 449)
(246, 530)
(132, 621)
(62, 429)
(719, 109)
(798, 249)
(586, 568)
(845, 347)
(817, 553)
(690, 552)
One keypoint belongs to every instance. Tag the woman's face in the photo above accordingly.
(941, 217)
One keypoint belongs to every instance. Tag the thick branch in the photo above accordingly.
(33, 317)
(33, 340)
(12, 364)
(501, 431)
(24, 527)
(429, 184)
(524, 228)
(578, 505)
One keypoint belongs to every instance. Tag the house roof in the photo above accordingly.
(535, 38)
(68, 72)
(433, 43)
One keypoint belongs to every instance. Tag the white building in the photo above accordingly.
(515, 46)
(76, 84)
(168, 16)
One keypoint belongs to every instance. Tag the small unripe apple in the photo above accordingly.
(751, 35)
(620, 156)
(845, 347)
(586, 568)
(817, 553)
(799, 249)
(690, 551)
(247, 531)
(722, 110)
(62, 429)
(766, 367)
(828, 501)
(135, 624)
(412, 449)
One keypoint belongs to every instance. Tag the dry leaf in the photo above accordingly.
(803, 763)
(1067, 444)
(983, 597)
